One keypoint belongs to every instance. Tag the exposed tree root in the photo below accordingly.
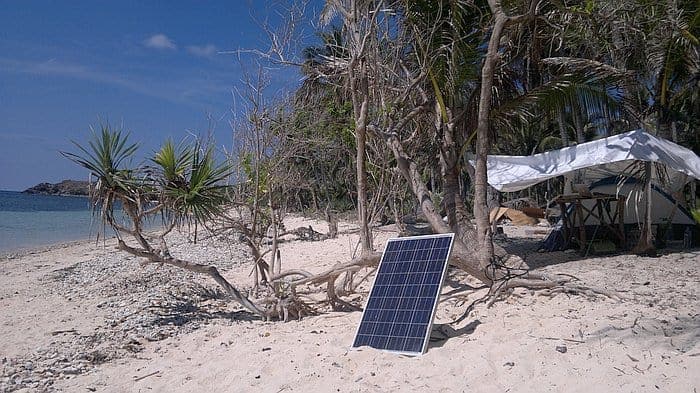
(548, 287)
(281, 303)
(335, 271)
(329, 277)
(308, 233)
(502, 288)
(287, 307)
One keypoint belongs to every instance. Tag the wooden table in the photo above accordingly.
(574, 216)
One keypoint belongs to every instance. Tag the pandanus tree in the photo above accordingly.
(184, 185)
(181, 185)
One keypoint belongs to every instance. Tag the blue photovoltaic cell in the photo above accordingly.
(400, 308)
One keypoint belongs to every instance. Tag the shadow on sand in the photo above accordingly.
(186, 311)
(527, 248)
(443, 332)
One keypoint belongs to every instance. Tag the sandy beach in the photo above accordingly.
(85, 317)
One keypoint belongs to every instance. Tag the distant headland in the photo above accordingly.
(65, 187)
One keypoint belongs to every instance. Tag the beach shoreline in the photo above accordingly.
(78, 317)
(25, 251)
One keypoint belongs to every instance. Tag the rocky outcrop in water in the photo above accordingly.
(66, 187)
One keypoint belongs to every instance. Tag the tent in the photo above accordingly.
(665, 209)
(670, 220)
(607, 167)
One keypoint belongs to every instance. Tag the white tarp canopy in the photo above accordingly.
(595, 160)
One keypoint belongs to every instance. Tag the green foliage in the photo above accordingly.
(578, 70)
(319, 145)
(696, 215)
(246, 163)
(106, 156)
(257, 176)
(185, 183)
(445, 35)
(586, 8)
(191, 181)
(172, 162)
(586, 85)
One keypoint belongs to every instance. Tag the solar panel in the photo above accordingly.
(399, 312)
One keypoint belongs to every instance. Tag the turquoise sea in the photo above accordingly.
(28, 221)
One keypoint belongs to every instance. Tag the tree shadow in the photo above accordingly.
(186, 311)
(443, 332)
(457, 286)
(528, 249)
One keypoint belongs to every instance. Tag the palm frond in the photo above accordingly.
(590, 86)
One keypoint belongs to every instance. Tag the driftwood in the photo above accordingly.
(282, 300)
(307, 233)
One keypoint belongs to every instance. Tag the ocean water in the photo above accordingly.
(29, 221)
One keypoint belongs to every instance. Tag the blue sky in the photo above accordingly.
(157, 68)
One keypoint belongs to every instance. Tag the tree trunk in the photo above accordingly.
(578, 123)
(449, 169)
(465, 248)
(483, 140)
(645, 245)
(359, 91)
(563, 134)
(565, 142)
(360, 140)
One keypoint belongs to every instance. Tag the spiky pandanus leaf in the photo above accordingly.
(172, 161)
(105, 157)
(192, 182)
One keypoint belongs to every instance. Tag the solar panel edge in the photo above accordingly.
(425, 339)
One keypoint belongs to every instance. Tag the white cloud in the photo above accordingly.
(159, 41)
(208, 50)
(81, 72)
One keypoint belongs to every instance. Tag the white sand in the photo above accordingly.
(160, 330)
